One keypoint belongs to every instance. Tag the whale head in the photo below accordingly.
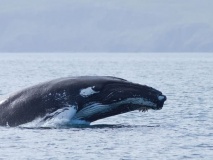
(109, 96)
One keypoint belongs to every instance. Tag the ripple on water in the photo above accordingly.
(181, 130)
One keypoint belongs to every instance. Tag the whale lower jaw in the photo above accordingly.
(100, 110)
(69, 115)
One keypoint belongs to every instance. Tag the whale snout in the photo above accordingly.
(162, 99)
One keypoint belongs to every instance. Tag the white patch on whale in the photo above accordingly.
(160, 98)
(2, 101)
(87, 91)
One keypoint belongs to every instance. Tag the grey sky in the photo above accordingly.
(106, 26)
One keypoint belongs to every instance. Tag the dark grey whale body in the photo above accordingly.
(78, 99)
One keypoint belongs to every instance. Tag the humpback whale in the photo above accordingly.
(78, 100)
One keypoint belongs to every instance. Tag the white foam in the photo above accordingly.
(79, 122)
(87, 91)
(2, 101)
(61, 117)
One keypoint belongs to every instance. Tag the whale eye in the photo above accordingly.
(97, 88)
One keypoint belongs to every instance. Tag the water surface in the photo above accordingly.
(181, 130)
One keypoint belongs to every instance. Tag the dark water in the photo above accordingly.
(183, 129)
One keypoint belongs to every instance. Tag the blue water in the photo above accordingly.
(183, 129)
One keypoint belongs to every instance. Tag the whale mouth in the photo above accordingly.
(143, 109)
(159, 105)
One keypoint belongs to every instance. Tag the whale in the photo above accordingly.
(78, 100)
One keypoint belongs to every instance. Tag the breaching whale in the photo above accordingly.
(79, 100)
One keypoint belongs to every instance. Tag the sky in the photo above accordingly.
(106, 26)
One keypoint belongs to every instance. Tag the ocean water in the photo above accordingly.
(183, 129)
